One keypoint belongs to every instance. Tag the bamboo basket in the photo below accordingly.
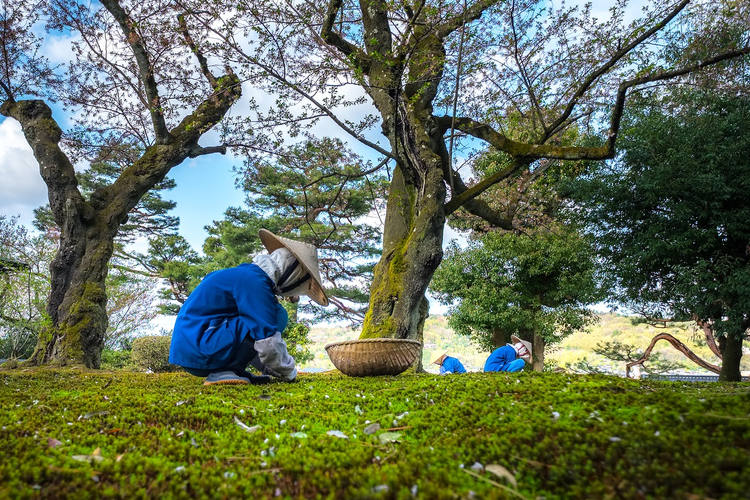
(369, 357)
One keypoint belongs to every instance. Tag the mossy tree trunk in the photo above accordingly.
(537, 348)
(415, 213)
(77, 301)
(412, 250)
(538, 344)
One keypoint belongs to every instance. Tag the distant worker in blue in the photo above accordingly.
(233, 317)
(510, 357)
(449, 364)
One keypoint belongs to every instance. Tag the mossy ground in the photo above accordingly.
(561, 436)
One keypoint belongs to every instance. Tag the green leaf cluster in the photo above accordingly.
(671, 215)
(518, 283)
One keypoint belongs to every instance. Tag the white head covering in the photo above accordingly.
(276, 264)
(517, 343)
(307, 256)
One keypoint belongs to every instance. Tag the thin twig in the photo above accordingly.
(494, 483)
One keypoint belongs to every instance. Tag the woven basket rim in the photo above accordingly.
(370, 341)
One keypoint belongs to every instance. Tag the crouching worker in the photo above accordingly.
(233, 317)
(510, 357)
(449, 364)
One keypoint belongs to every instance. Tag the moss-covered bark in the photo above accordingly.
(78, 306)
(415, 215)
(77, 301)
(538, 344)
(412, 250)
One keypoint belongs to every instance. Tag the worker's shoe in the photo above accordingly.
(226, 377)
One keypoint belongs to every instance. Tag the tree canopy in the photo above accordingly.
(520, 284)
(670, 217)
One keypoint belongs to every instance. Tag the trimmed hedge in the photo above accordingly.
(152, 353)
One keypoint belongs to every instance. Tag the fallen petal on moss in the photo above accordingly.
(246, 427)
(372, 428)
(337, 434)
(502, 473)
(389, 437)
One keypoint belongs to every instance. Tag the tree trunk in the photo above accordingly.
(412, 244)
(78, 300)
(500, 337)
(415, 213)
(424, 312)
(731, 349)
(537, 361)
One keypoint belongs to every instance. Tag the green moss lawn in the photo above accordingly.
(99, 434)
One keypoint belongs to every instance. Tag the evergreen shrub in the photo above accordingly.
(152, 353)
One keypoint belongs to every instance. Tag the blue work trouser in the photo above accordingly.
(516, 365)
(241, 357)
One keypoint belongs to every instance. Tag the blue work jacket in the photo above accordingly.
(225, 307)
(500, 359)
(451, 365)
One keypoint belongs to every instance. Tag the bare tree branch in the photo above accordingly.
(522, 149)
(522, 69)
(358, 315)
(144, 67)
(606, 151)
(483, 210)
(617, 56)
(182, 143)
(7, 91)
(348, 177)
(360, 59)
(477, 207)
(202, 61)
(43, 135)
(472, 14)
(200, 150)
(464, 196)
(677, 345)
(272, 72)
(654, 77)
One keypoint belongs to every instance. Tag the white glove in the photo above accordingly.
(275, 359)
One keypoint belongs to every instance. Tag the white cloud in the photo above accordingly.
(58, 49)
(21, 186)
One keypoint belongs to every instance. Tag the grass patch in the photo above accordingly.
(91, 434)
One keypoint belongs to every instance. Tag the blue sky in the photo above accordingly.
(205, 188)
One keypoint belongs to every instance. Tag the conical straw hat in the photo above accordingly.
(439, 361)
(307, 256)
(526, 343)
